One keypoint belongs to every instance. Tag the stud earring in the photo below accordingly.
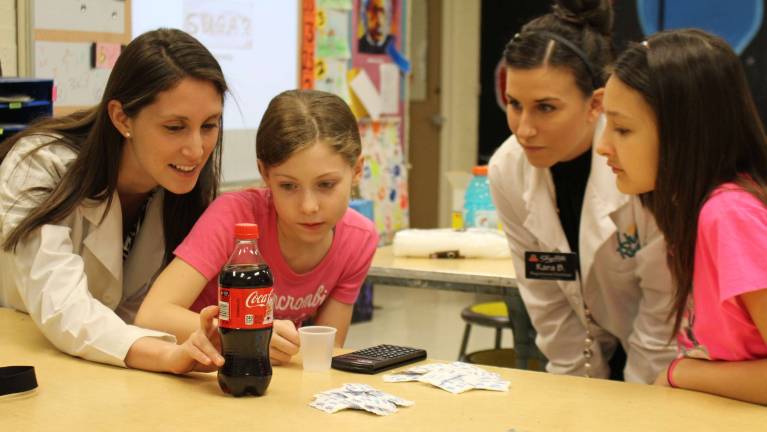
(127, 134)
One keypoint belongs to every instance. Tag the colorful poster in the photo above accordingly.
(377, 52)
(384, 179)
(333, 34)
(377, 26)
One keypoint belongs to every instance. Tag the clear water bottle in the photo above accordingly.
(478, 208)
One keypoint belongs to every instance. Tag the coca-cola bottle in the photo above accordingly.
(246, 313)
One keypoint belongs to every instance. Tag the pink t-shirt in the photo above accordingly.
(298, 296)
(730, 260)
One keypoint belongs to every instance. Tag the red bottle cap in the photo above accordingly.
(246, 231)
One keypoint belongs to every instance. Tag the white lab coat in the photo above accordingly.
(629, 297)
(70, 276)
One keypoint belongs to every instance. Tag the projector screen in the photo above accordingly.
(256, 43)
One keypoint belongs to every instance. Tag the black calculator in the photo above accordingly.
(378, 358)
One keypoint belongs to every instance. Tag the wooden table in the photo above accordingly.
(487, 276)
(75, 394)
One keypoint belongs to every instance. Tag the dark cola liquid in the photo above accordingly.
(246, 369)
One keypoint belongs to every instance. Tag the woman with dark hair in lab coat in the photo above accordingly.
(590, 261)
(92, 204)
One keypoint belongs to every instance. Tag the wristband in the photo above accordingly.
(670, 371)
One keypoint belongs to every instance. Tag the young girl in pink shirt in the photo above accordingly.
(309, 155)
(682, 131)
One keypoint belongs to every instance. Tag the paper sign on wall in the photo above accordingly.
(365, 90)
(330, 76)
(104, 55)
(333, 34)
(390, 88)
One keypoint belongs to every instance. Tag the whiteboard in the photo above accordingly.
(256, 43)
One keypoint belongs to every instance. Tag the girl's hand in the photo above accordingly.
(285, 342)
(201, 352)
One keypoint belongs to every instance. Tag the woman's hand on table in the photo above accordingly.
(285, 342)
(201, 352)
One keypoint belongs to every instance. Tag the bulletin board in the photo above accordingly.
(354, 49)
(63, 33)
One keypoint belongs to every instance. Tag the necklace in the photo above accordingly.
(588, 353)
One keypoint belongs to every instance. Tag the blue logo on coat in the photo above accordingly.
(628, 242)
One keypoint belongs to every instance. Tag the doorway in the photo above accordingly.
(425, 118)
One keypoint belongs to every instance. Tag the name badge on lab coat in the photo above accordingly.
(551, 265)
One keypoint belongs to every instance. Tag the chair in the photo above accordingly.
(528, 356)
(489, 314)
(504, 357)
(524, 355)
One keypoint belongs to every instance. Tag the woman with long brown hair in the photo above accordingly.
(92, 204)
(684, 134)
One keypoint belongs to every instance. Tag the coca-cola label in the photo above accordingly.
(245, 308)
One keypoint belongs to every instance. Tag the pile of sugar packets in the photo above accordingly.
(456, 377)
(358, 396)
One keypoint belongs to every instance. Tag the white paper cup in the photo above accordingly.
(317, 347)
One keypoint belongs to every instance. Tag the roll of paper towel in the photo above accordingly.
(471, 243)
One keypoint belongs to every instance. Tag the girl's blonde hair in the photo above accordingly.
(297, 119)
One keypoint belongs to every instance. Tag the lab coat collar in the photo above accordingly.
(148, 249)
(105, 241)
(106, 231)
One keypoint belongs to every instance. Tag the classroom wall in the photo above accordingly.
(8, 48)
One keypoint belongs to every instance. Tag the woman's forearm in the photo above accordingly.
(149, 354)
(166, 306)
(170, 318)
